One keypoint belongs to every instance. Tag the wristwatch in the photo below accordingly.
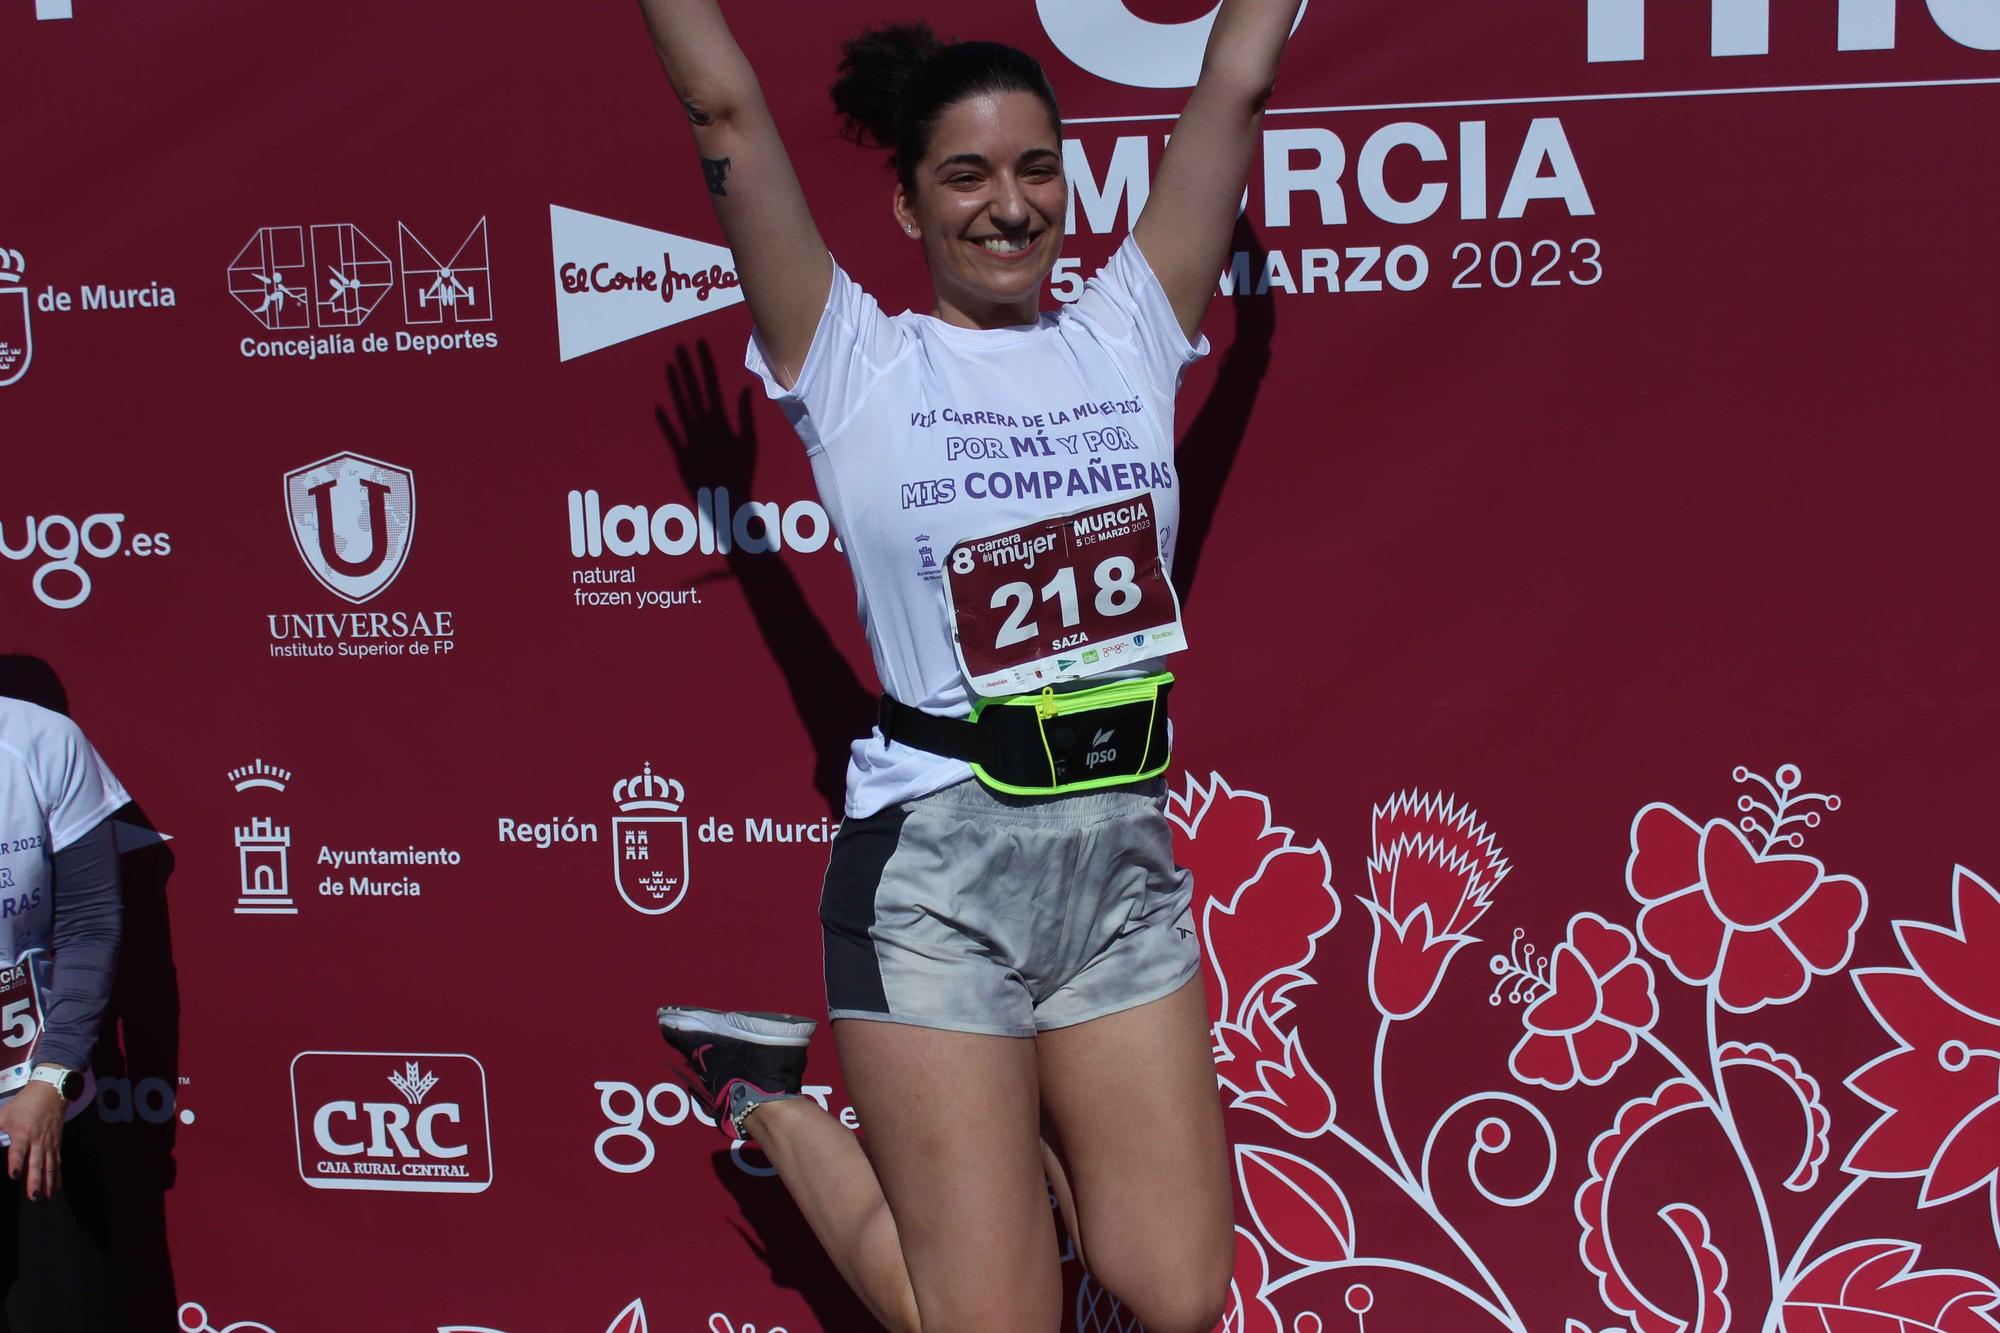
(68, 1083)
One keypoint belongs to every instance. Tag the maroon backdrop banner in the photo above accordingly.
(1588, 743)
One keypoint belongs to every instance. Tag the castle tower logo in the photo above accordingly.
(263, 847)
(262, 853)
(17, 341)
(352, 519)
(649, 851)
(257, 773)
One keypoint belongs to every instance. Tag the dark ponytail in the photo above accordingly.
(896, 81)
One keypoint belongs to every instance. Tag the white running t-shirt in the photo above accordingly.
(923, 434)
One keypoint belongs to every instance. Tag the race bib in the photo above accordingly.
(20, 1022)
(1061, 599)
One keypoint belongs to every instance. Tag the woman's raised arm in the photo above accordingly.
(780, 258)
(1185, 227)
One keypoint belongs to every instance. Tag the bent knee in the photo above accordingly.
(1186, 1299)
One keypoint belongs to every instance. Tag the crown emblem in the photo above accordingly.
(257, 773)
(647, 790)
(413, 1083)
(12, 265)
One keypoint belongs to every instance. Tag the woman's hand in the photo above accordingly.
(33, 1124)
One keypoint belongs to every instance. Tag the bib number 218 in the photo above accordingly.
(1062, 598)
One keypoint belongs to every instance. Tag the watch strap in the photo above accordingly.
(68, 1083)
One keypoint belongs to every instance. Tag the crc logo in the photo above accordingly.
(334, 275)
(1110, 41)
(372, 1120)
(352, 518)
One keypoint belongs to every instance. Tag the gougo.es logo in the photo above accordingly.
(62, 545)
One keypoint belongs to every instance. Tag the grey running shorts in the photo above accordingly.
(974, 911)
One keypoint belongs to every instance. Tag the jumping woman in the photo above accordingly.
(1011, 966)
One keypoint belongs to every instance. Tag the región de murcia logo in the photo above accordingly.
(649, 843)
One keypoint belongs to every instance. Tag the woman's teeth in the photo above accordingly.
(1001, 245)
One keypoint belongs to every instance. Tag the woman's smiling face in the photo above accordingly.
(989, 204)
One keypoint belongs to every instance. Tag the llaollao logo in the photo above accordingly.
(1110, 41)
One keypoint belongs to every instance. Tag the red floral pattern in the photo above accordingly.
(1756, 925)
(1586, 1024)
(1867, 1287)
(1743, 919)
(1939, 1090)
(1618, 1288)
(1431, 876)
(1263, 900)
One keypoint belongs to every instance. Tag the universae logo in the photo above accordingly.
(351, 519)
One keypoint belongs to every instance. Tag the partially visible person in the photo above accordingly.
(60, 917)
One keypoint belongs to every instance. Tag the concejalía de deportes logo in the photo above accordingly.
(313, 288)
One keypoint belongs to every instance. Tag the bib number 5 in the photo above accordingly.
(20, 1021)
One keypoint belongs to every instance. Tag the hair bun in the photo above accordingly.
(875, 67)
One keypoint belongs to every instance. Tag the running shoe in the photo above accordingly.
(741, 1058)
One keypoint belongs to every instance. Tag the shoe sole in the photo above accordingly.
(762, 1029)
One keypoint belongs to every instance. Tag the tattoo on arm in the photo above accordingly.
(696, 114)
(716, 170)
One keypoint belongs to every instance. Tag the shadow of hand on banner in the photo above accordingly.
(137, 1057)
(1209, 446)
(713, 447)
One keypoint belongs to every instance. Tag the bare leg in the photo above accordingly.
(953, 1128)
(1151, 1177)
(833, 1182)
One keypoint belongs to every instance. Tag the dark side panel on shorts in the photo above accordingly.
(861, 851)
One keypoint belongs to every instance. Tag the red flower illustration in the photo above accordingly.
(1759, 926)
(1867, 1287)
(1939, 1090)
(1431, 877)
(1599, 997)
(1263, 900)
